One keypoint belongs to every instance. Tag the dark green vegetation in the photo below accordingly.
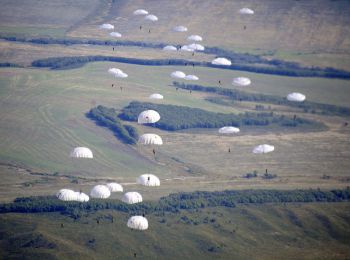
(238, 95)
(277, 68)
(175, 202)
(109, 118)
(179, 117)
(9, 64)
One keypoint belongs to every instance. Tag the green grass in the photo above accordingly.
(315, 230)
(43, 118)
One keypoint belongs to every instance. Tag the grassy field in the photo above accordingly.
(51, 104)
(305, 231)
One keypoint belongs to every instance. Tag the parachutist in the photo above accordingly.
(148, 178)
(112, 85)
(154, 153)
(229, 150)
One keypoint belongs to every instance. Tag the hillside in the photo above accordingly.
(309, 231)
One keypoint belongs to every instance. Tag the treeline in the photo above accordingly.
(78, 61)
(175, 202)
(241, 61)
(9, 64)
(108, 117)
(238, 95)
(180, 117)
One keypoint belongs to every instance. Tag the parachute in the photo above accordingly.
(196, 47)
(132, 197)
(66, 195)
(148, 180)
(221, 61)
(191, 77)
(241, 81)
(100, 192)
(82, 197)
(180, 28)
(156, 96)
(107, 26)
(228, 130)
(114, 187)
(148, 117)
(169, 48)
(187, 48)
(117, 73)
(115, 34)
(81, 152)
(246, 10)
(178, 74)
(263, 148)
(296, 97)
(151, 18)
(194, 38)
(140, 12)
(138, 222)
(150, 139)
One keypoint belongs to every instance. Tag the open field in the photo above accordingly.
(313, 231)
(52, 106)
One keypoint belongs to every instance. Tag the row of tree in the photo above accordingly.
(238, 95)
(108, 117)
(180, 117)
(175, 202)
(241, 61)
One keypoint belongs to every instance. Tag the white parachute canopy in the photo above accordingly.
(178, 74)
(66, 195)
(150, 139)
(138, 222)
(107, 26)
(221, 61)
(148, 180)
(187, 48)
(100, 192)
(156, 96)
(118, 73)
(228, 130)
(191, 77)
(81, 152)
(180, 28)
(140, 12)
(246, 10)
(296, 97)
(169, 48)
(151, 18)
(148, 117)
(115, 34)
(82, 197)
(132, 197)
(241, 81)
(196, 47)
(114, 187)
(194, 38)
(263, 148)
